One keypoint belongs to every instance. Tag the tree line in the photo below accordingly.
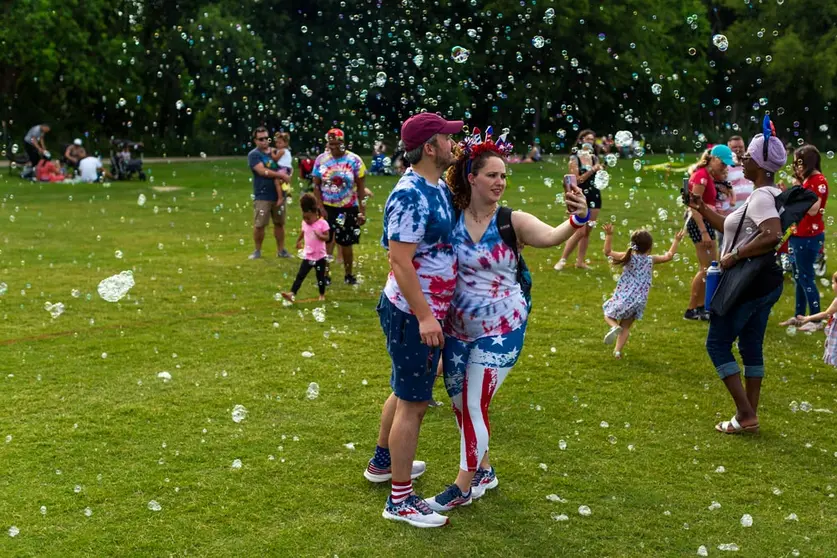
(189, 76)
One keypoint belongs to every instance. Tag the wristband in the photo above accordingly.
(577, 222)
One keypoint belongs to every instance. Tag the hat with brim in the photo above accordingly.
(419, 128)
(723, 153)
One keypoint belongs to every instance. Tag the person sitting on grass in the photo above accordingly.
(47, 171)
(830, 356)
(631, 295)
(312, 241)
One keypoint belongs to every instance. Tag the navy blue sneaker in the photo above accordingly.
(450, 498)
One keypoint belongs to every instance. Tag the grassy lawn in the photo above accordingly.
(89, 425)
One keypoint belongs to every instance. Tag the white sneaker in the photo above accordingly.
(376, 474)
(610, 337)
(483, 482)
(560, 265)
(414, 511)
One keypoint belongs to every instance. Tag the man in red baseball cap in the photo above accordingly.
(418, 227)
(420, 128)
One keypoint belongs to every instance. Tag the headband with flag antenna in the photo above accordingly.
(475, 144)
(767, 129)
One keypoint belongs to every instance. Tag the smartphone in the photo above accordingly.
(570, 180)
(684, 192)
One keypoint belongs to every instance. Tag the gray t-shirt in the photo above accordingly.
(761, 206)
(34, 133)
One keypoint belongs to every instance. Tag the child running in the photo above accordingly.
(830, 356)
(628, 301)
(315, 234)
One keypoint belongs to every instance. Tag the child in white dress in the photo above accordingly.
(628, 301)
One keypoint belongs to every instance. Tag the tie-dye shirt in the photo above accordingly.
(339, 178)
(488, 300)
(418, 212)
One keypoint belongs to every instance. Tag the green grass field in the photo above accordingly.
(88, 425)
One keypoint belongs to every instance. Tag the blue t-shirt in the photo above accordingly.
(263, 188)
(421, 213)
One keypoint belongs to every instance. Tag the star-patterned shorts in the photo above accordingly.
(413, 363)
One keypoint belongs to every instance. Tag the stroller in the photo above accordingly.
(122, 161)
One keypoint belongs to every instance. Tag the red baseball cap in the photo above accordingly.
(421, 127)
(336, 133)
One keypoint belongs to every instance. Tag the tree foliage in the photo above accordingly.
(189, 76)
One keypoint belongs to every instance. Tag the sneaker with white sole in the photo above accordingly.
(414, 511)
(377, 474)
(560, 265)
(449, 499)
(610, 337)
(483, 482)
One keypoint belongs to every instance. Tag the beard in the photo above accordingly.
(443, 160)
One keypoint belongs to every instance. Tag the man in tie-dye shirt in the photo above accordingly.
(339, 176)
(418, 219)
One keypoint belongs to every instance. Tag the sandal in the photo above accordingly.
(724, 427)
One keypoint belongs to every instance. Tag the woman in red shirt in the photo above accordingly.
(712, 166)
(807, 240)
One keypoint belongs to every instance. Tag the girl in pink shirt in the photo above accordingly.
(312, 241)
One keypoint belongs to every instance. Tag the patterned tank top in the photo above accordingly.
(488, 300)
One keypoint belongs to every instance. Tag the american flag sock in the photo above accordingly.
(382, 459)
(401, 491)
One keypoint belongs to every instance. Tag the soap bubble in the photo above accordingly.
(115, 287)
(610, 159)
(460, 54)
(602, 179)
(313, 391)
(239, 413)
(141, 200)
(656, 89)
(54, 310)
(538, 41)
(154, 506)
(381, 79)
(623, 138)
(721, 42)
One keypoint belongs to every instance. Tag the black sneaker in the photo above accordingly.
(692, 314)
(703, 313)
(350, 280)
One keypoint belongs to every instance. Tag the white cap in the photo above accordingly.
(77, 141)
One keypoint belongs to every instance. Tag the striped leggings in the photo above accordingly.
(474, 372)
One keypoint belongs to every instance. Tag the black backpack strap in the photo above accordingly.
(504, 225)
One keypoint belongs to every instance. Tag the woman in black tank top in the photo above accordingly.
(584, 164)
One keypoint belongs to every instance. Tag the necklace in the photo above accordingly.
(482, 219)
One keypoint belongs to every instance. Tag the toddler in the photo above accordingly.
(314, 233)
(830, 356)
(282, 162)
(628, 301)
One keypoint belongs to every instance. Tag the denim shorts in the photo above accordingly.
(413, 363)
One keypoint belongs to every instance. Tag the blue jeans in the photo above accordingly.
(804, 252)
(747, 322)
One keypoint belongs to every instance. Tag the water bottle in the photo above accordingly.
(713, 277)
